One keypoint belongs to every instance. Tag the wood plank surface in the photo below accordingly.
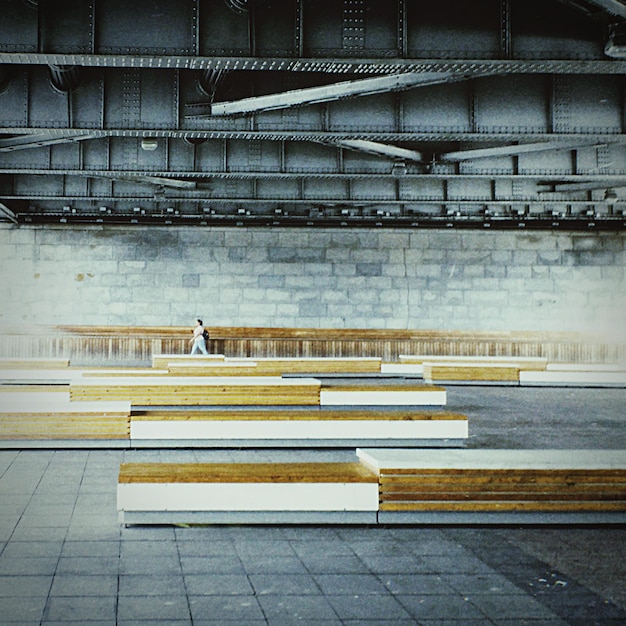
(471, 372)
(295, 414)
(245, 473)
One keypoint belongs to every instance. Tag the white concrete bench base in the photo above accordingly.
(426, 396)
(330, 432)
(232, 493)
(573, 379)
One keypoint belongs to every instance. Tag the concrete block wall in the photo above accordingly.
(353, 278)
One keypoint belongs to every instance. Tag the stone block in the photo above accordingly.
(369, 269)
(270, 281)
(191, 281)
(312, 307)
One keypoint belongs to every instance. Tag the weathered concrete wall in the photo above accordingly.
(470, 280)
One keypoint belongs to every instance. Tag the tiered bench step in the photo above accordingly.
(17, 363)
(162, 493)
(296, 427)
(382, 395)
(200, 390)
(574, 378)
(499, 486)
(216, 368)
(49, 419)
(405, 486)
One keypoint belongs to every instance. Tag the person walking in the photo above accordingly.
(198, 341)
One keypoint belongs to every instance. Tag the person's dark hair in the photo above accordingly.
(199, 321)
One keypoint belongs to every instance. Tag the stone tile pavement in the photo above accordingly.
(64, 559)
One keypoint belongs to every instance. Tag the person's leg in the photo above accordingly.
(202, 346)
(194, 348)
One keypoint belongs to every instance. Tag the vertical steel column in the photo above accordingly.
(299, 30)
(506, 51)
(353, 29)
(403, 43)
(560, 101)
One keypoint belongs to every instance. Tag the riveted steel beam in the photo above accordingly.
(336, 65)
(383, 149)
(36, 140)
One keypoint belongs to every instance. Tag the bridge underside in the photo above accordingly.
(489, 114)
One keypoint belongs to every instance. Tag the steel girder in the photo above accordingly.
(479, 115)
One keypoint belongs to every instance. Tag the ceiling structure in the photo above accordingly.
(404, 113)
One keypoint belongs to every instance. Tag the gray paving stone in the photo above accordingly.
(445, 606)
(329, 564)
(259, 564)
(98, 566)
(350, 584)
(367, 607)
(211, 565)
(284, 584)
(34, 566)
(24, 549)
(150, 565)
(22, 610)
(155, 608)
(297, 607)
(90, 548)
(241, 609)
(418, 584)
(84, 585)
(217, 584)
(24, 586)
(140, 585)
(80, 609)
(206, 547)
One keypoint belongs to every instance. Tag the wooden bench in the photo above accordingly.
(383, 395)
(162, 493)
(414, 364)
(49, 419)
(215, 368)
(573, 378)
(161, 361)
(199, 390)
(499, 486)
(272, 366)
(17, 363)
(449, 373)
(296, 427)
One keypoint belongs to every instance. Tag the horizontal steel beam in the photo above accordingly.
(334, 65)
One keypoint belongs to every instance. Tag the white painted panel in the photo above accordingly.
(404, 458)
(586, 367)
(247, 497)
(382, 398)
(573, 378)
(57, 401)
(402, 368)
(299, 429)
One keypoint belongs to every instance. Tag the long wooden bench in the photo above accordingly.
(296, 427)
(200, 365)
(161, 493)
(449, 373)
(499, 486)
(200, 390)
(414, 364)
(49, 419)
(382, 395)
(18, 363)
(161, 361)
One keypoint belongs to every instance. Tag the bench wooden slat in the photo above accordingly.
(35, 363)
(294, 414)
(199, 390)
(245, 473)
(506, 505)
(525, 363)
(471, 372)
